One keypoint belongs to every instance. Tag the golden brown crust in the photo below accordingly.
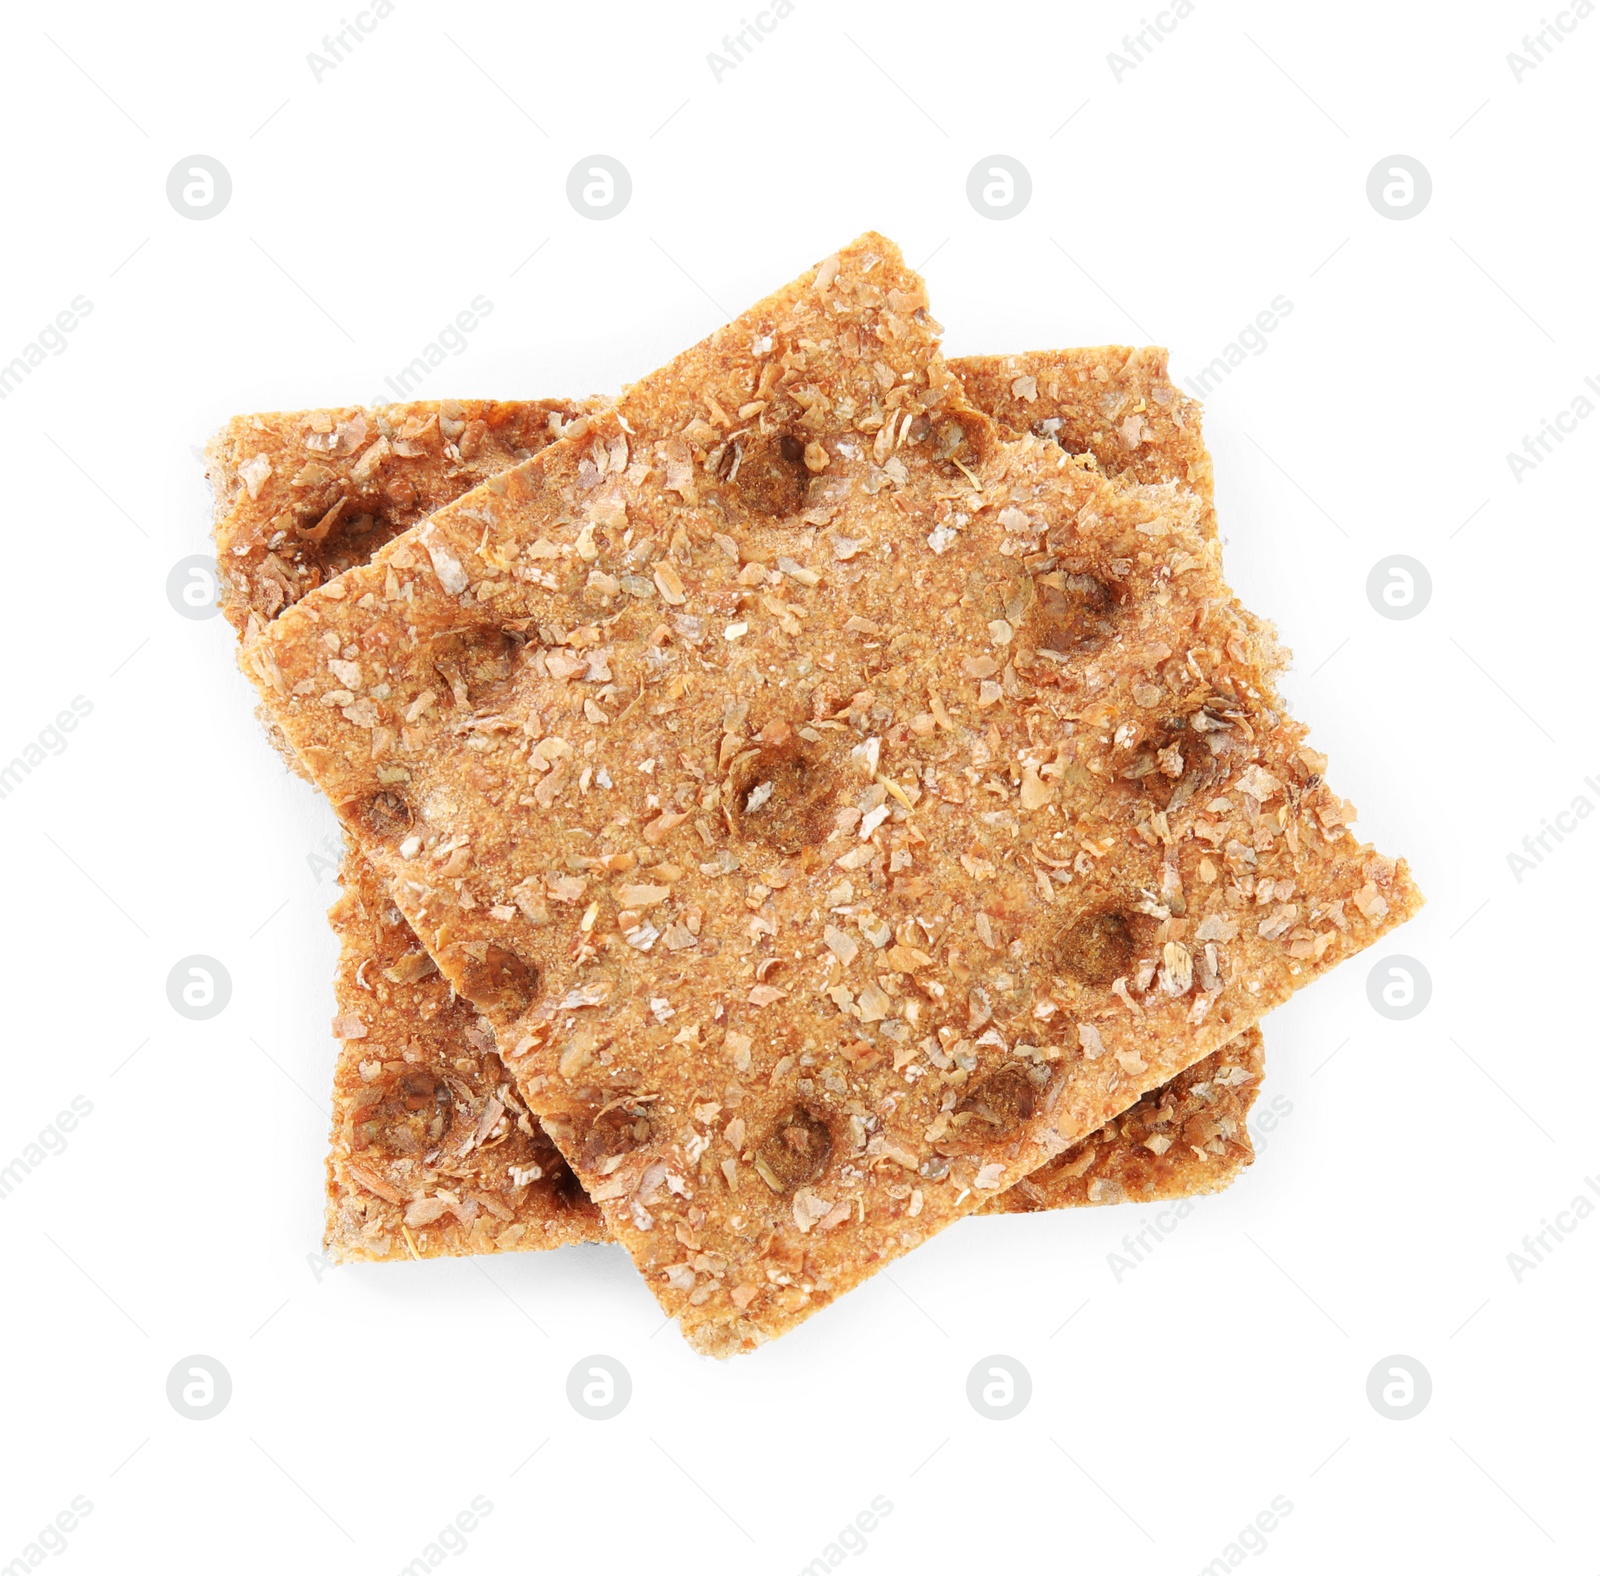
(380, 470)
(301, 496)
(1115, 402)
(439, 1037)
(1189, 1136)
(1072, 843)
(433, 1151)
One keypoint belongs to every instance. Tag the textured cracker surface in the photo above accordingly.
(431, 1141)
(838, 811)
(1115, 402)
(321, 490)
(301, 496)
(1189, 1136)
(377, 1168)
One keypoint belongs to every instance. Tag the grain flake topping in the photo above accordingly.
(433, 1150)
(1112, 405)
(1075, 630)
(301, 496)
(409, 1173)
(375, 1181)
(1187, 1137)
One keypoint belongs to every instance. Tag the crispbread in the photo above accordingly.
(1115, 402)
(417, 1073)
(300, 496)
(433, 1151)
(1189, 1136)
(579, 633)
(377, 1178)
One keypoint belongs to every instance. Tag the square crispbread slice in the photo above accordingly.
(408, 1046)
(301, 496)
(429, 1056)
(1189, 1136)
(433, 1151)
(838, 811)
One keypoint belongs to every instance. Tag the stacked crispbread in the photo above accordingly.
(824, 793)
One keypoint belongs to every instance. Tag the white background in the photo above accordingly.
(370, 1405)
